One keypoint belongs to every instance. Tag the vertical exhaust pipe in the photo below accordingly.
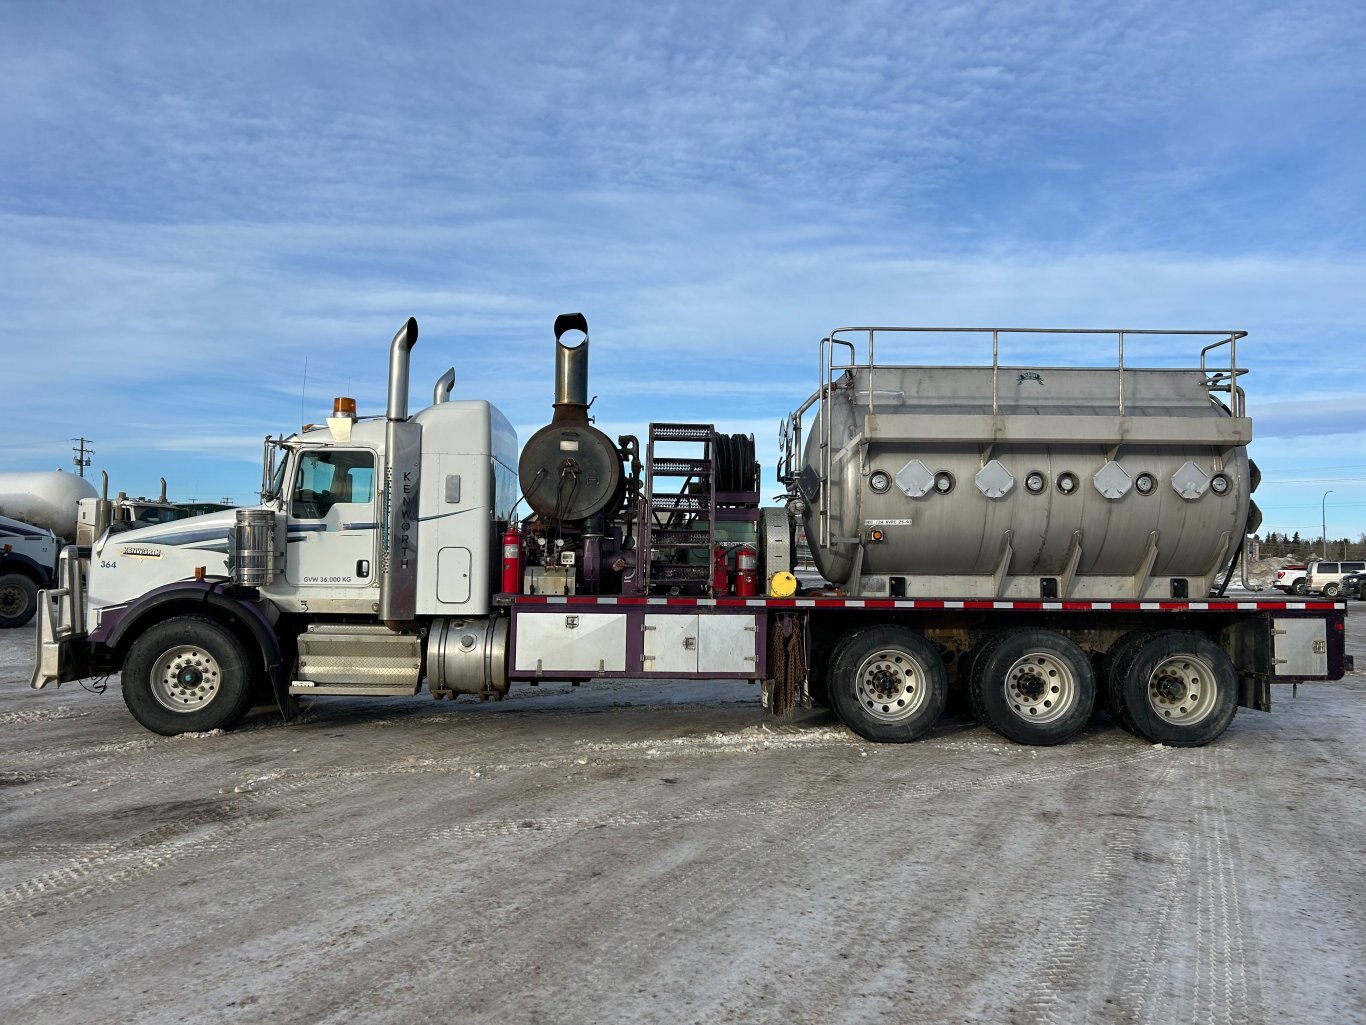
(442, 391)
(571, 371)
(104, 509)
(399, 349)
(402, 473)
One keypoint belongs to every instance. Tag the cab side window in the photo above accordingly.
(331, 476)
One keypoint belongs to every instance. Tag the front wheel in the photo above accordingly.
(1179, 689)
(887, 683)
(1033, 687)
(1299, 587)
(187, 675)
(18, 599)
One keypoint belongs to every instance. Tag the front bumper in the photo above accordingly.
(61, 624)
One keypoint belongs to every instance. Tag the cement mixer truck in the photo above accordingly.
(40, 511)
(1044, 541)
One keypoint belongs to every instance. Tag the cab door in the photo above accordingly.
(333, 523)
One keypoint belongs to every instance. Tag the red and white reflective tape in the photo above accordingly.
(937, 603)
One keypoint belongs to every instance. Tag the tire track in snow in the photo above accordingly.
(704, 893)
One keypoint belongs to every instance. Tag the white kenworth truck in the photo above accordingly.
(1047, 540)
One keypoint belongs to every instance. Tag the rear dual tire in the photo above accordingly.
(1034, 687)
(887, 683)
(1173, 688)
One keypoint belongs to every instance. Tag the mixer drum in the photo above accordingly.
(1053, 496)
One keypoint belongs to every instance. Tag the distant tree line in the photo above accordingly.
(1274, 545)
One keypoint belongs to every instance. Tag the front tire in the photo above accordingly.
(18, 599)
(187, 675)
(1034, 687)
(1180, 689)
(887, 684)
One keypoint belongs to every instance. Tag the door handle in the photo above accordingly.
(362, 567)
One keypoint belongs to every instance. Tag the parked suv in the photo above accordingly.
(1325, 578)
(1290, 579)
(1352, 586)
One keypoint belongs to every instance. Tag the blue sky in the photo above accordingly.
(196, 199)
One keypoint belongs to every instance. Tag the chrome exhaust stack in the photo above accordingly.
(571, 371)
(402, 471)
(442, 391)
(399, 349)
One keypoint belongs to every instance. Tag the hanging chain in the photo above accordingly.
(786, 663)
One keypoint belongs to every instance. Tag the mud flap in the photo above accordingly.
(1254, 691)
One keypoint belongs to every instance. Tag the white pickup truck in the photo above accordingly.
(1292, 578)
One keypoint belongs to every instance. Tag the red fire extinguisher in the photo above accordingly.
(719, 575)
(512, 561)
(746, 572)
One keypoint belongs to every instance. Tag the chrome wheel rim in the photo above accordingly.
(185, 678)
(890, 685)
(1182, 689)
(1040, 687)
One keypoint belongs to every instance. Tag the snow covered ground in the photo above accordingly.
(646, 853)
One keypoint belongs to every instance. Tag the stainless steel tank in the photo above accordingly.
(1025, 482)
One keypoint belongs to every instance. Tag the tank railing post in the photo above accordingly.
(1121, 373)
(995, 372)
(827, 434)
(823, 411)
(827, 361)
(871, 363)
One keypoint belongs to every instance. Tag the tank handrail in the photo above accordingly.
(790, 438)
(826, 389)
(1219, 380)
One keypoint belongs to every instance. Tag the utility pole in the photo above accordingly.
(83, 454)
(1323, 512)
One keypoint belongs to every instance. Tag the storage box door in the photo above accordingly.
(670, 644)
(1299, 647)
(726, 644)
(571, 642)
